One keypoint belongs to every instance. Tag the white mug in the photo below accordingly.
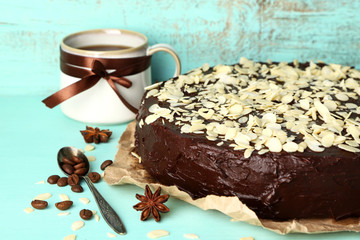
(100, 104)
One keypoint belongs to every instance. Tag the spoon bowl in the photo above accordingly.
(68, 153)
(68, 158)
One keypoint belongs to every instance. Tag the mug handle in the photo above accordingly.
(166, 48)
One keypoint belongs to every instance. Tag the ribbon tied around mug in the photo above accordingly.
(75, 66)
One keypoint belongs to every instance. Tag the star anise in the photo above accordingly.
(151, 204)
(95, 135)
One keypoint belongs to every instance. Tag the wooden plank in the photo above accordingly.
(216, 31)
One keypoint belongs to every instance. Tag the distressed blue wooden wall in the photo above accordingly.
(213, 31)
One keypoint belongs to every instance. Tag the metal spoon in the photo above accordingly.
(110, 216)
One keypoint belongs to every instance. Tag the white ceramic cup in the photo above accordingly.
(100, 104)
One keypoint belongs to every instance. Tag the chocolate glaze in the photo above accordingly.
(277, 186)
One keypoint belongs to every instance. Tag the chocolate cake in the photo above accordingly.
(282, 137)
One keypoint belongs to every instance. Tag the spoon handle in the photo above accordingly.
(106, 210)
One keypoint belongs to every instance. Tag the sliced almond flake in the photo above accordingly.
(289, 125)
(331, 105)
(64, 197)
(151, 93)
(267, 132)
(313, 114)
(236, 109)
(89, 147)
(220, 144)
(141, 123)
(290, 147)
(198, 132)
(348, 148)
(155, 85)
(208, 104)
(43, 196)
(351, 105)
(185, 128)
(339, 139)
(274, 144)
(263, 151)
(77, 225)
(328, 139)
(70, 237)
(301, 149)
(247, 238)
(354, 131)
(206, 113)
(273, 126)
(323, 110)
(191, 236)
(28, 210)
(84, 200)
(197, 126)
(157, 233)
(342, 97)
(205, 67)
(97, 218)
(268, 118)
(220, 129)
(305, 104)
(91, 158)
(40, 182)
(314, 145)
(63, 213)
(230, 133)
(211, 138)
(111, 235)
(248, 152)
(151, 118)
(242, 140)
(352, 143)
(153, 108)
(240, 147)
(287, 99)
(258, 146)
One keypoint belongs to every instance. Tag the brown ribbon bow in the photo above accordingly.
(72, 65)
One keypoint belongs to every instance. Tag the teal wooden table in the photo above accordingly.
(213, 31)
(31, 136)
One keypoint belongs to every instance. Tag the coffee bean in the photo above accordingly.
(77, 159)
(64, 205)
(53, 179)
(86, 214)
(94, 177)
(106, 164)
(80, 165)
(73, 180)
(77, 188)
(81, 171)
(68, 161)
(39, 204)
(68, 168)
(62, 182)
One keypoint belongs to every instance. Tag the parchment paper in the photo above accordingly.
(127, 170)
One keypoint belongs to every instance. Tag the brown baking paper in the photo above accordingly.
(127, 170)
